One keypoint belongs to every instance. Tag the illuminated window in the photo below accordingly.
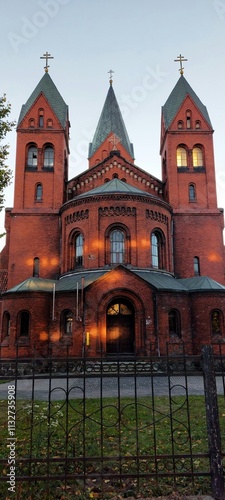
(79, 244)
(32, 156)
(156, 250)
(216, 319)
(181, 157)
(49, 156)
(197, 157)
(174, 323)
(117, 247)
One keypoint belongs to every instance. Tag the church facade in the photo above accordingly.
(114, 260)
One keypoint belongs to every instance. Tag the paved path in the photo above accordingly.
(93, 387)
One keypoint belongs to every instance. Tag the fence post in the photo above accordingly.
(212, 417)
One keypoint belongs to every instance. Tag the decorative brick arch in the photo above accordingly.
(128, 296)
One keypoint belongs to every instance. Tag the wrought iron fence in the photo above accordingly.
(91, 427)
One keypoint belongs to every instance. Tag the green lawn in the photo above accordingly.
(110, 438)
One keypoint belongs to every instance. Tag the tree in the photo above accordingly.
(5, 127)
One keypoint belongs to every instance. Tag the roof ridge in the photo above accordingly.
(176, 98)
(47, 87)
(110, 120)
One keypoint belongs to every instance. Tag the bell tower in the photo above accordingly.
(188, 173)
(40, 183)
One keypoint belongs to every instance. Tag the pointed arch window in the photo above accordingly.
(181, 157)
(32, 156)
(174, 323)
(78, 248)
(192, 192)
(216, 320)
(49, 156)
(156, 250)
(117, 246)
(197, 157)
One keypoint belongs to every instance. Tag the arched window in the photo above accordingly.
(188, 119)
(196, 266)
(49, 123)
(5, 325)
(180, 124)
(117, 246)
(36, 267)
(23, 324)
(156, 250)
(197, 157)
(32, 156)
(41, 118)
(31, 122)
(78, 249)
(181, 157)
(38, 192)
(197, 124)
(192, 192)
(216, 320)
(66, 322)
(48, 156)
(174, 323)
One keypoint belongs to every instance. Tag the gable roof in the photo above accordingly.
(110, 120)
(175, 99)
(47, 87)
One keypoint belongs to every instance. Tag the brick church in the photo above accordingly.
(113, 260)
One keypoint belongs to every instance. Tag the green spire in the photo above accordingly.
(111, 120)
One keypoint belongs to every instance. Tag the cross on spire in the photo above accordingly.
(46, 56)
(110, 74)
(180, 59)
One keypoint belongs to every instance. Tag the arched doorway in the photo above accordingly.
(120, 327)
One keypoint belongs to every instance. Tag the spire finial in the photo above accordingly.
(180, 59)
(110, 74)
(46, 56)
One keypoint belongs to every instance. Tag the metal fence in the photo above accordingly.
(91, 428)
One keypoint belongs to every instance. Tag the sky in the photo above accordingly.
(137, 39)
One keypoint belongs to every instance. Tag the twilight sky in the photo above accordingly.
(138, 40)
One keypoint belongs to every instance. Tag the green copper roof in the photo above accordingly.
(47, 87)
(33, 285)
(177, 96)
(111, 120)
(115, 186)
(201, 283)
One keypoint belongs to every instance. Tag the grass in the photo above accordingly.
(109, 437)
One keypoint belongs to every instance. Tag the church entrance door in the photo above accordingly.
(120, 327)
